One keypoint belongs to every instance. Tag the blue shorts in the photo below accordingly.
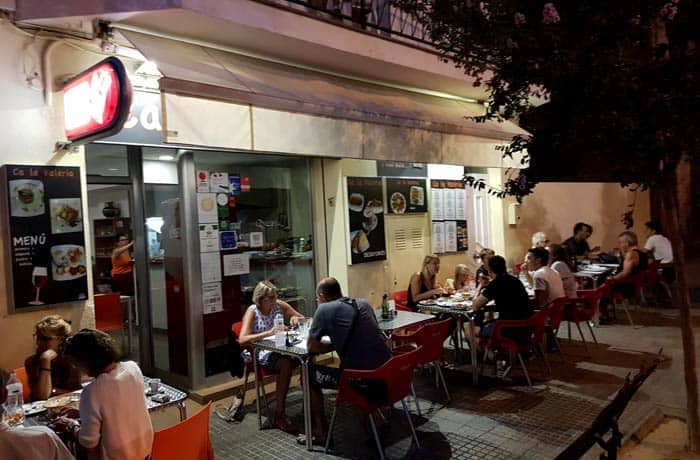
(487, 329)
(321, 377)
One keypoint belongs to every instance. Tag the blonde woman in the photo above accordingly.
(461, 280)
(259, 323)
(48, 371)
(423, 285)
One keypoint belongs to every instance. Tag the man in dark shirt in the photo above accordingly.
(352, 327)
(508, 293)
(577, 245)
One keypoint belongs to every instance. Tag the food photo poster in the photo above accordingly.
(406, 196)
(366, 218)
(44, 227)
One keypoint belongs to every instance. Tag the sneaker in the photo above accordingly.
(502, 369)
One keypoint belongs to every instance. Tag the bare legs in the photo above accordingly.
(285, 366)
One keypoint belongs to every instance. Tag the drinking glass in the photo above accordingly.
(39, 279)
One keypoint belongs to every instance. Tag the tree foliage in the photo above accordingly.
(609, 84)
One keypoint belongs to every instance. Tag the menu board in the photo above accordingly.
(405, 196)
(366, 218)
(401, 168)
(44, 229)
(449, 209)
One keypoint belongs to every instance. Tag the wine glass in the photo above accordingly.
(39, 279)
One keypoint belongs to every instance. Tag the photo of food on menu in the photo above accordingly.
(406, 196)
(366, 218)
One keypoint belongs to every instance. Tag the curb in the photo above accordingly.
(645, 426)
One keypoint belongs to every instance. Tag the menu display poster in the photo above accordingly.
(462, 236)
(406, 196)
(45, 236)
(211, 267)
(461, 204)
(236, 264)
(366, 218)
(206, 208)
(202, 181)
(450, 236)
(448, 201)
(218, 182)
(436, 205)
(438, 237)
(212, 301)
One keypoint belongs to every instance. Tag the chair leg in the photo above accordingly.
(246, 374)
(330, 430)
(376, 435)
(438, 370)
(413, 392)
(592, 333)
(522, 364)
(568, 323)
(544, 358)
(582, 339)
(627, 312)
(561, 352)
(410, 422)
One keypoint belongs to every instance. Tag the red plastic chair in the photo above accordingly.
(498, 341)
(618, 300)
(430, 338)
(555, 311)
(22, 376)
(259, 379)
(397, 372)
(583, 310)
(400, 299)
(188, 439)
(108, 312)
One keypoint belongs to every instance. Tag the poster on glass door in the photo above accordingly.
(366, 218)
(45, 237)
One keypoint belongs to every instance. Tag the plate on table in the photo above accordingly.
(33, 408)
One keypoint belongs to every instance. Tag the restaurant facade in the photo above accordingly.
(232, 168)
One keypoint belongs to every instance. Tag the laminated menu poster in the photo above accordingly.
(406, 196)
(46, 240)
(366, 218)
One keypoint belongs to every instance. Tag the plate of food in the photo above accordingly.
(33, 408)
(57, 403)
(26, 197)
(66, 215)
(398, 203)
(417, 196)
(359, 242)
(356, 202)
(68, 262)
(374, 206)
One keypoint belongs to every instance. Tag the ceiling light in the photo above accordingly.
(112, 169)
(166, 157)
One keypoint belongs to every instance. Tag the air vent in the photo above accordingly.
(416, 238)
(400, 240)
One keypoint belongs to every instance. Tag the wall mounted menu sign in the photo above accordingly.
(401, 169)
(44, 228)
(366, 218)
(449, 207)
(405, 196)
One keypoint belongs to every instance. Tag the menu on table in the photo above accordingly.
(45, 236)
(406, 196)
(366, 219)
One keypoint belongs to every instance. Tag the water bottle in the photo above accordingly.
(14, 412)
(279, 335)
(385, 306)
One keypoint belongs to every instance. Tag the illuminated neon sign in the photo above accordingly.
(96, 102)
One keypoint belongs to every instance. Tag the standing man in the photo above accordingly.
(659, 248)
(352, 327)
(577, 245)
(546, 282)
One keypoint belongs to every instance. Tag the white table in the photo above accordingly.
(401, 320)
(594, 272)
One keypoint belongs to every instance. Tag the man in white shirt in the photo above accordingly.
(547, 283)
(28, 443)
(659, 248)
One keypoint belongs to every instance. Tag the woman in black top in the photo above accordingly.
(423, 284)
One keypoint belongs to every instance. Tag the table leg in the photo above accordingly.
(257, 389)
(460, 345)
(472, 349)
(306, 391)
(183, 410)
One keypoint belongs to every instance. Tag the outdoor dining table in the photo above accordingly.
(400, 320)
(595, 272)
(297, 351)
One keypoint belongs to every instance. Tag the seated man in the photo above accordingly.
(546, 282)
(507, 292)
(577, 245)
(634, 261)
(352, 327)
(659, 247)
(29, 443)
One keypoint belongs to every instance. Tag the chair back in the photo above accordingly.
(400, 299)
(188, 439)
(22, 376)
(537, 322)
(430, 338)
(555, 311)
(397, 373)
(108, 312)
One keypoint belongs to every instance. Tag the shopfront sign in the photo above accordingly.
(44, 235)
(366, 218)
(96, 102)
(143, 125)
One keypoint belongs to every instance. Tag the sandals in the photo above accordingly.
(301, 440)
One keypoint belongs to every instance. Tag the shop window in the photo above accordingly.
(106, 160)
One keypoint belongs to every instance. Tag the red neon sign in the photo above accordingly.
(96, 103)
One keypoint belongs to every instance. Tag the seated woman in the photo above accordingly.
(559, 262)
(48, 371)
(634, 261)
(114, 420)
(460, 282)
(258, 323)
(422, 285)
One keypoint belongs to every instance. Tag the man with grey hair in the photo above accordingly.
(352, 327)
(29, 443)
(634, 261)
